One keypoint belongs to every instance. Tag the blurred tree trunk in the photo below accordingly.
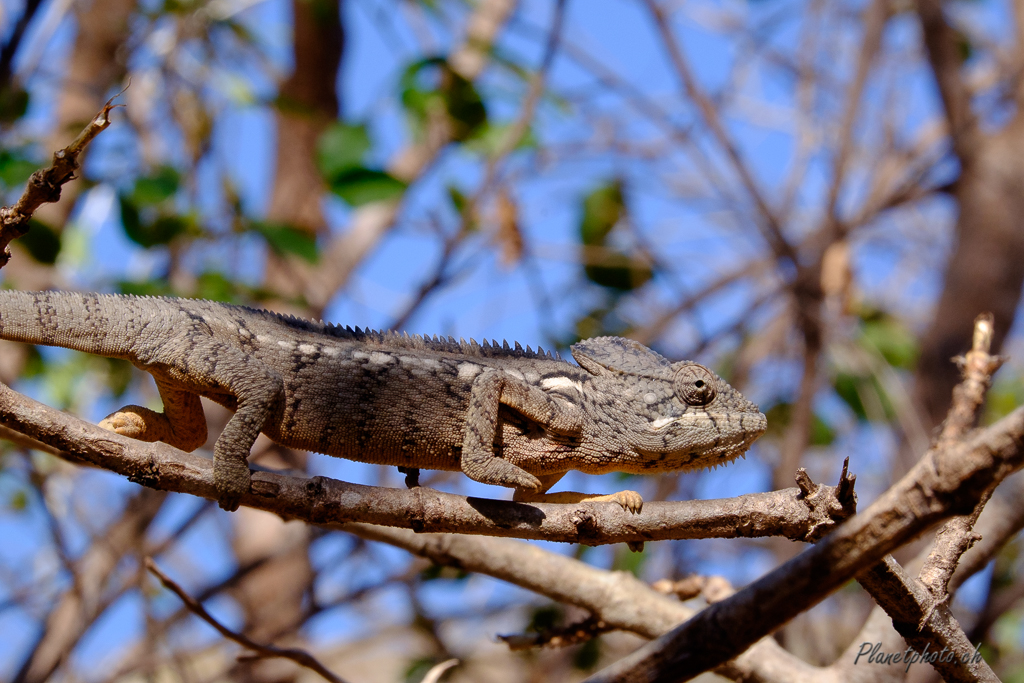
(273, 595)
(986, 268)
(307, 105)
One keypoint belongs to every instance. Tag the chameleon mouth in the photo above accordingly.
(697, 441)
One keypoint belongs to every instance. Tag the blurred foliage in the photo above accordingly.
(546, 618)
(286, 239)
(598, 146)
(890, 337)
(14, 102)
(431, 89)
(587, 655)
(1006, 394)
(418, 669)
(148, 212)
(41, 241)
(437, 571)
(601, 211)
(626, 560)
(15, 168)
(340, 153)
(18, 501)
(779, 418)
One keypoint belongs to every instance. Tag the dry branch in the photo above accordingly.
(945, 482)
(919, 607)
(300, 657)
(799, 514)
(44, 185)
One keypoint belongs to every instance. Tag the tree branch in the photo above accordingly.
(44, 185)
(944, 482)
(805, 513)
(944, 56)
(300, 657)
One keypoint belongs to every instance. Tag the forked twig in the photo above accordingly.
(300, 657)
(44, 185)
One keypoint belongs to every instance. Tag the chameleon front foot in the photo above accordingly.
(488, 469)
(232, 479)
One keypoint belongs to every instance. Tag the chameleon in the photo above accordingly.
(503, 415)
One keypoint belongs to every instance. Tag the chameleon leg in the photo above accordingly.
(257, 395)
(541, 408)
(210, 366)
(182, 424)
(630, 501)
(478, 459)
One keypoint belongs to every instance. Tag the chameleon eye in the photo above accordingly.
(696, 385)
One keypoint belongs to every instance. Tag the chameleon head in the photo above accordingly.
(673, 416)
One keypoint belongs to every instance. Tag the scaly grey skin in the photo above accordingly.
(504, 416)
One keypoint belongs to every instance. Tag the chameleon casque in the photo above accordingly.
(504, 416)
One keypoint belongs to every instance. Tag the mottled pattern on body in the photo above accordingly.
(503, 415)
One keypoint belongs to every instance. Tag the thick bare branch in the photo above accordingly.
(945, 482)
(796, 513)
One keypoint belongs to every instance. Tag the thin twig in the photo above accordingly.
(300, 657)
(769, 222)
(957, 535)
(44, 185)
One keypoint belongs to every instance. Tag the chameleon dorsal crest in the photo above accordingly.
(617, 354)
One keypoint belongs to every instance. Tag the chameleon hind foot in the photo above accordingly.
(630, 501)
(139, 423)
(148, 425)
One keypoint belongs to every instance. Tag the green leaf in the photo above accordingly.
(865, 397)
(893, 340)
(587, 655)
(846, 387)
(781, 414)
(216, 287)
(15, 169)
(157, 187)
(461, 203)
(436, 571)
(155, 287)
(358, 186)
(160, 230)
(619, 271)
(490, 138)
(41, 241)
(13, 103)
(417, 669)
(430, 85)
(119, 375)
(546, 618)
(341, 148)
(628, 561)
(18, 501)
(35, 366)
(286, 239)
(1003, 398)
(601, 321)
(601, 210)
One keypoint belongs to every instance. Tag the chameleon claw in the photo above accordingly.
(631, 501)
(232, 480)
